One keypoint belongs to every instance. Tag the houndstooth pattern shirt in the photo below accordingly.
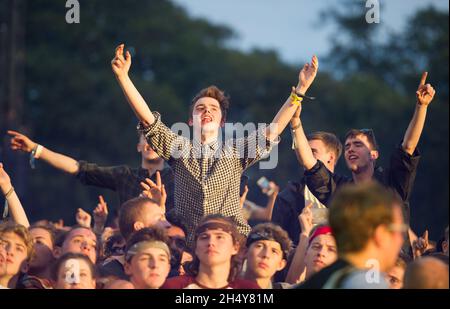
(207, 176)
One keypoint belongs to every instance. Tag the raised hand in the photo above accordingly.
(83, 218)
(421, 245)
(274, 189)
(243, 196)
(5, 181)
(425, 92)
(59, 225)
(21, 142)
(155, 191)
(120, 64)
(305, 219)
(100, 212)
(307, 75)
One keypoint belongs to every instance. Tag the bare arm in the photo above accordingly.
(281, 120)
(425, 94)
(100, 216)
(57, 160)
(302, 149)
(297, 267)
(121, 65)
(15, 206)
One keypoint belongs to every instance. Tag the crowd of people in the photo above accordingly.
(183, 220)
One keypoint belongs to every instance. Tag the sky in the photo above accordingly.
(292, 27)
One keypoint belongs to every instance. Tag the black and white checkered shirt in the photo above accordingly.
(207, 177)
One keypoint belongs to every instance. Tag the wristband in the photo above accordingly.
(38, 152)
(10, 191)
(296, 100)
(35, 153)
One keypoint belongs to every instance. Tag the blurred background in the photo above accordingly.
(56, 83)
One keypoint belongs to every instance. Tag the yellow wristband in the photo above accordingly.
(296, 100)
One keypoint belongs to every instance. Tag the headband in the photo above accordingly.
(319, 231)
(214, 225)
(143, 245)
(264, 235)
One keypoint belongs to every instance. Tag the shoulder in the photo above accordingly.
(120, 285)
(362, 279)
(341, 179)
(243, 284)
(179, 282)
(282, 285)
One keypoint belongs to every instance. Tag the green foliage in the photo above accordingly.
(380, 82)
(74, 105)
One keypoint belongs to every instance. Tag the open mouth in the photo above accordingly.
(206, 119)
(352, 157)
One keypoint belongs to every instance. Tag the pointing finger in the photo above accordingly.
(423, 79)
(158, 179)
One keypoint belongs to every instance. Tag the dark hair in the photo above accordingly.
(130, 212)
(273, 232)
(147, 234)
(175, 219)
(57, 265)
(356, 211)
(22, 232)
(154, 234)
(109, 249)
(215, 93)
(440, 256)
(192, 267)
(367, 133)
(332, 143)
(45, 226)
(403, 260)
(62, 237)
